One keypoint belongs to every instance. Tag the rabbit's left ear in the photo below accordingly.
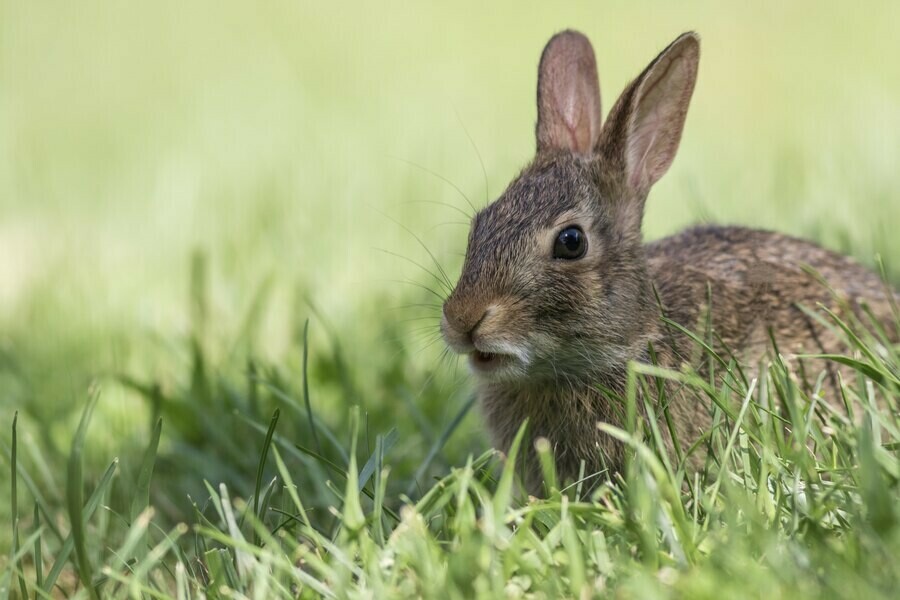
(644, 127)
(568, 95)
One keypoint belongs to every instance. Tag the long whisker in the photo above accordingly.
(425, 335)
(487, 194)
(424, 247)
(403, 341)
(447, 204)
(444, 224)
(407, 341)
(456, 380)
(415, 305)
(411, 261)
(418, 285)
(431, 343)
(443, 357)
(425, 318)
(441, 177)
(431, 327)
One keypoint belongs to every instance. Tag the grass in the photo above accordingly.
(794, 499)
(208, 223)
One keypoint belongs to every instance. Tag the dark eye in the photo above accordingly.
(571, 243)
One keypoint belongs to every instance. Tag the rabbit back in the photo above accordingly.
(752, 285)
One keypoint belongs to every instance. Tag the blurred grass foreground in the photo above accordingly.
(209, 215)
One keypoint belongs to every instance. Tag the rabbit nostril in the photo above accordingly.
(473, 328)
(464, 323)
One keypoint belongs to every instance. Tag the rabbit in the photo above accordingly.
(558, 292)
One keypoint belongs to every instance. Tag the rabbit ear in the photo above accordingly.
(568, 95)
(644, 127)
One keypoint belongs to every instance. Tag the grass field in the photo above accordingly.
(209, 212)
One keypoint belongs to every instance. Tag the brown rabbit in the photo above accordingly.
(558, 292)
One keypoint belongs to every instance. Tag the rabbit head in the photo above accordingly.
(554, 286)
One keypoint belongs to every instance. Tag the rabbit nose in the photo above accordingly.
(466, 322)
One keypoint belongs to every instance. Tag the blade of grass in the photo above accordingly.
(383, 443)
(738, 424)
(503, 493)
(309, 413)
(548, 466)
(267, 498)
(353, 519)
(260, 469)
(380, 486)
(14, 559)
(320, 426)
(439, 443)
(141, 499)
(38, 551)
(35, 491)
(292, 489)
(93, 502)
(882, 378)
(74, 498)
(14, 508)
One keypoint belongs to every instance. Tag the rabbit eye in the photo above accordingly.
(571, 243)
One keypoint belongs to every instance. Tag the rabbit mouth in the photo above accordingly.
(483, 357)
(489, 362)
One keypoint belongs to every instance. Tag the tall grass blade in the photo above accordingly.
(353, 518)
(263, 456)
(291, 489)
(261, 467)
(382, 445)
(141, 499)
(14, 507)
(74, 498)
(503, 494)
(93, 502)
(306, 402)
(439, 443)
(882, 378)
(38, 551)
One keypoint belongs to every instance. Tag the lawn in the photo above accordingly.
(215, 216)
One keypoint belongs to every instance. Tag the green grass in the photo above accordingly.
(795, 499)
(205, 217)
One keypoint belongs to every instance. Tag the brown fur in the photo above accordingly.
(566, 329)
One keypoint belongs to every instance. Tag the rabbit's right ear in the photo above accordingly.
(644, 127)
(568, 95)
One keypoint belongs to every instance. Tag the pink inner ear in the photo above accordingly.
(658, 118)
(645, 157)
(583, 119)
(580, 116)
(568, 95)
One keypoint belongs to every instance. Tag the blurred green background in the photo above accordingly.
(288, 145)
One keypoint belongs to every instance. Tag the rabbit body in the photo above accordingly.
(558, 292)
(756, 280)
